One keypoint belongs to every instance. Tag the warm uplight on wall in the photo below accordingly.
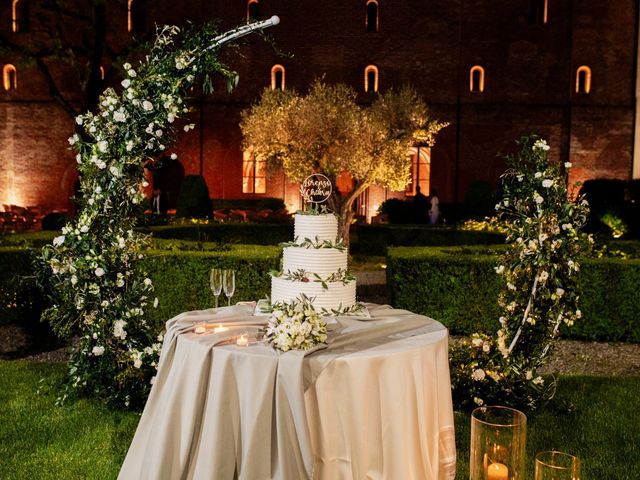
(371, 79)
(9, 78)
(129, 22)
(277, 77)
(14, 16)
(252, 10)
(583, 79)
(101, 72)
(372, 16)
(476, 79)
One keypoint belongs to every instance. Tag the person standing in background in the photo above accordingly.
(434, 211)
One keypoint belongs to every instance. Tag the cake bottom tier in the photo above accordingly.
(337, 296)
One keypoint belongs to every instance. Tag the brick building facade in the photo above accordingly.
(525, 55)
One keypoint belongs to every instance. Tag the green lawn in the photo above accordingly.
(85, 440)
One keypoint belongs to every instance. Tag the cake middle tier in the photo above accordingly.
(323, 261)
(337, 295)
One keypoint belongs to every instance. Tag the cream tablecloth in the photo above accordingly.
(375, 403)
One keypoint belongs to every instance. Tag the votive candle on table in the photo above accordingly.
(220, 328)
(200, 328)
(242, 341)
(497, 471)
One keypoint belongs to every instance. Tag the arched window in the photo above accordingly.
(136, 16)
(277, 77)
(253, 174)
(9, 78)
(372, 16)
(20, 16)
(476, 79)
(253, 10)
(583, 79)
(420, 171)
(539, 11)
(371, 79)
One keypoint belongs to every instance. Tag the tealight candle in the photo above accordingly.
(200, 329)
(497, 471)
(220, 328)
(242, 341)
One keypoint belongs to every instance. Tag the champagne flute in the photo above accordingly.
(216, 283)
(229, 284)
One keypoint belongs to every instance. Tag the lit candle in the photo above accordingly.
(200, 328)
(497, 471)
(220, 329)
(243, 341)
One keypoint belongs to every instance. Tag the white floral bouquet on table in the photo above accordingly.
(295, 325)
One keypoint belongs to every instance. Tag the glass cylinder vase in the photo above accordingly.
(557, 466)
(498, 442)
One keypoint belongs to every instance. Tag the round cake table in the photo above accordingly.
(374, 403)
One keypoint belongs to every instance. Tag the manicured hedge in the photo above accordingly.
(20, 300)
(245, 233)
(181, 278)
(374, 239)
(458, 286)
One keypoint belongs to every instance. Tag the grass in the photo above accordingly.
(86, 440)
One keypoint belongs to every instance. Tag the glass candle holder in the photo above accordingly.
(557, 466)
(498, 442)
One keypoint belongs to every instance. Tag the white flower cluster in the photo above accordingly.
(295, 326)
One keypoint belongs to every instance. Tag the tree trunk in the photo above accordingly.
(341, 206)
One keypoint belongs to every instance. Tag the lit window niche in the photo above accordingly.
(277, 77)
(136, 13)
(253, 174)
(19, 16)
(539, 11)
(372, 16)
(253, 10)
(476, 79)
(420, 171)
(371, 78)
(583, 80)
(9, 78)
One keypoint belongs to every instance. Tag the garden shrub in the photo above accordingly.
(270, 203)
(20, 301)
(479, 200)
(458, 286)
(398, 211)
(54, 221)
(245, 233)
(181, 277)
(376, 238)
(194, 201)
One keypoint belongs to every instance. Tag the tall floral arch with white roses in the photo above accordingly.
(540, 270)
(99, 292)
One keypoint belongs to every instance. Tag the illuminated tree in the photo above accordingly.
(327, 132)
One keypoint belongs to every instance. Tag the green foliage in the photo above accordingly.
(19, 298)
(98, 288)
(181, 278)
(54, 221)
(245, 233)
(194, 201)
(458, 286)
(375, 238)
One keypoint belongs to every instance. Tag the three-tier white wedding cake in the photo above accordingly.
(315, 264)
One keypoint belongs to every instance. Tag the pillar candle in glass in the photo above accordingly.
(557, 466)
(498, 441)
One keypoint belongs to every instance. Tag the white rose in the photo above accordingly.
(478, 401)
(559, 291)
(125, 83)
(102, 146)
(97, 350)
(74, 279)
(479, 375)
(58, 241)
(171, 118)
(129, 146)
(119, 116)
(539, 199)
(99, 272)
(499, 269)
(126, 66)
(84, 228)
(132, 72)
(147, 281)
(147, 105)
(174, 156)
(114, 171)
(546, 183)
(79, 120)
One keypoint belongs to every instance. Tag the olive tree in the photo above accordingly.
(326, 131)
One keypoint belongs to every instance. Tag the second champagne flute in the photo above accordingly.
(216, 283)
(229, 284)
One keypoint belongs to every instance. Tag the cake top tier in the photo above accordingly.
(324, 227)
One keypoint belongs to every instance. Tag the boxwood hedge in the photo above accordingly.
(377, 237)
(458, 286)
(235, 233)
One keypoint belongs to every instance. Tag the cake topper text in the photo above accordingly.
(316, 188)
